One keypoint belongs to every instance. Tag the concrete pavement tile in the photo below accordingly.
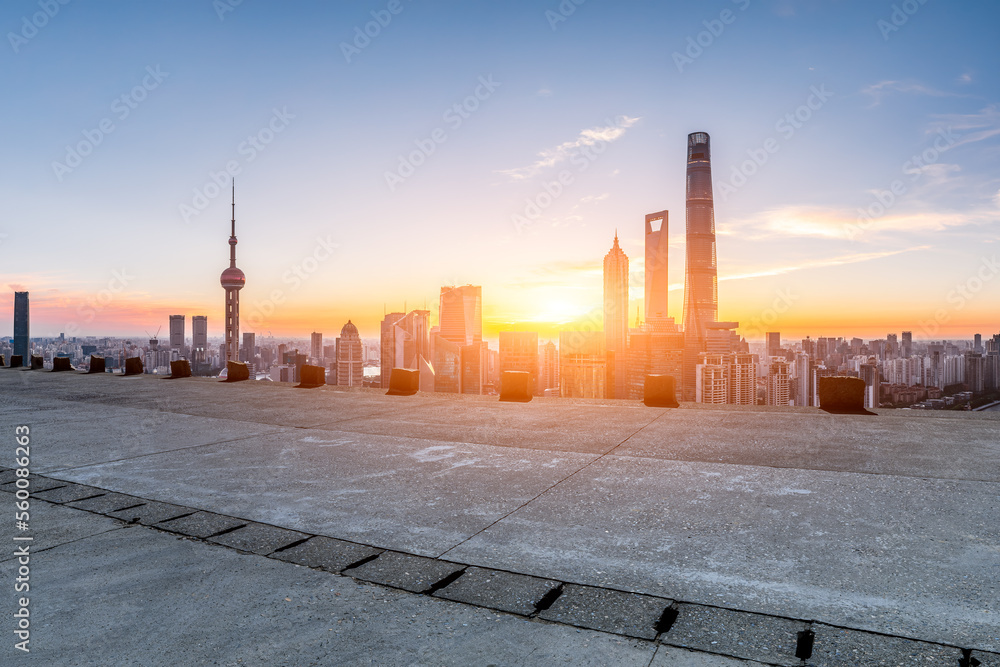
(152, 512)
(51, 525)
(108, 503)
(677, 657)
(506, 591)
(142, 597)
(326, 553)
(611, 611)
(200, 524)
(68, 493)
(411, 573)
(736, 633)
(36, 484)
(258, 538)
(834, 647)
(986, 659)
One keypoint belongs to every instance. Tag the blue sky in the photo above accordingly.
(598, 96)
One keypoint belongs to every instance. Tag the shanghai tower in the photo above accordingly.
(701, 299)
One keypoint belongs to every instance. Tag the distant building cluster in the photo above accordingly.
(709, 361)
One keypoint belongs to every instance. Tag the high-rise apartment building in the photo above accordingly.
(778, 382)
(350, 359)
(616, 319)
(22, 328)
(906, 347)
(742, 371)
(712, 379)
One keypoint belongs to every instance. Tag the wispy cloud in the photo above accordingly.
(882, 88)
(821, 263)
(965, 78)
(588, 137)
(971, 127)
(829, 223)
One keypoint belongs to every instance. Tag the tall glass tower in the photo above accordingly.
(22, 329)
(701, 291)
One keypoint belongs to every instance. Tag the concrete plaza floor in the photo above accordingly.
(180, 522)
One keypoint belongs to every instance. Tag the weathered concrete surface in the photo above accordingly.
(880, 523)
(505, 591)
(137, 596)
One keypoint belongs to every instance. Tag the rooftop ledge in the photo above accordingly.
(883, 524)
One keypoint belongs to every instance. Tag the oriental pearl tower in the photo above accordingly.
(232, 281)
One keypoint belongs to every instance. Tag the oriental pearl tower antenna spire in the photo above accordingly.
(233, 281)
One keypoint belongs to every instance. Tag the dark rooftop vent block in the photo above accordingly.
(16, 361)
(133, 366)
(311, 377)
(804, 645)
(403, 382)
(37, 362)
(667, 620)
(61, 364)
(843, 396)
(236, 372)
(659, 392)
(180, 369)
(515, 386)
(96, 364)
(548, 599)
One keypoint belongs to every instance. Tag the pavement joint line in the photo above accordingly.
(554, 485)
(534, 616)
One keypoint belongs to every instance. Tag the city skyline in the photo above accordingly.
(807, 158)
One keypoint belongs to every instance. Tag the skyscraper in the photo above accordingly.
(199, 332)
(616, 318)
(248, 352)
(657, 282)
(317, 347)
(350, 361)
(519, 352)
(461, 314)
(773, 343)
(386, 356)
(406, 344)
(177, 332)
(233, 281)
(199, 338)
(701, 297)
(582, 364)
(459, 352)
(22, 330)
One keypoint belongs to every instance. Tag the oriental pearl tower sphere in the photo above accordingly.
(232, 281)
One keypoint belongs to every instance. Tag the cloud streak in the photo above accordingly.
(550, 157)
